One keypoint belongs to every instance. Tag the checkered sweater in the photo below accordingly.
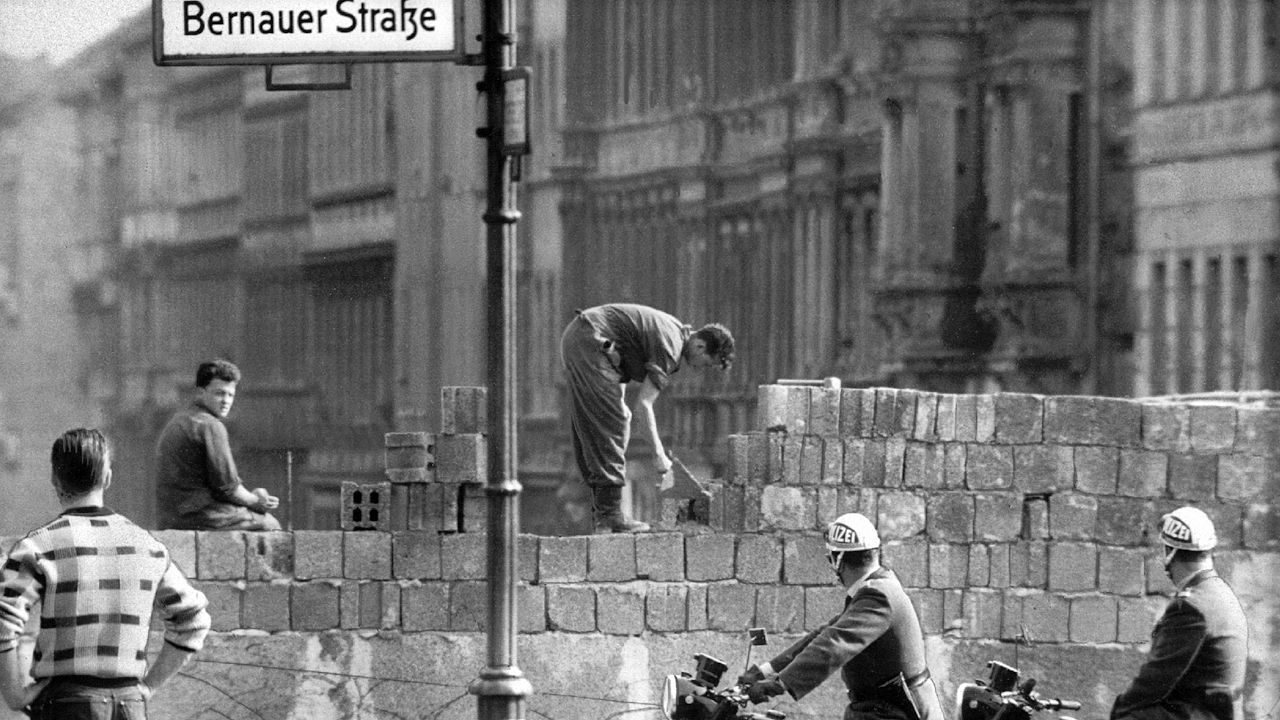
(97, 577)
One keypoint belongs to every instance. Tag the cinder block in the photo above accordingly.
(571, 608)
(1136, 618)
(773, 468)
(948, 566)
(1122, 521)
(944, 425)
(1143, 473)
(1166, 427)
(852, 401)
(390, 592)
(1193, 477)
(533, 608)
(527, 557)
(181, 545)
(924, 426)
(870, 400)
(929, 607)
(949, 517)
(730, 606)
(462, 458)
(904, 413)
(738, 467)
(1213, 428)
(1073, 516)
(954, 462)
(410, 457)
(696, 615)
(268, 555)
(804, 561)
(832, 461)
(967, 418)
(759, 559)
(1242, 478)
(1258, 431)
(824, 412)
(474, 502)
(923, 465)
(1121, 571)
(758, 458)
(366, 555)
(792, 459)
(448, 510)
(317, 554)
(1261, 526)
(424, 607)
(771, 407)
(1094, 619)
(895, 460)
(885, 412)
(780, 608)
(224, 604)
(315, 605)
(873, 455)
(997, 517)
(468, 606)
(1029, 564)
(1035, 517)
(1073, 566)
(1047, 617)
(989, 467)
(1097, 469)
(982, 614)
(464, 410)
(463, 556)
(979, 566)
(659, 556)
(1228, 521)
(415, 555)
(1000, 565)
(220, 555)
(984, 418)
(665, 607)
(611, 558)
(266, 606)
(853, 459)
(1080, 420)
(366, 506)
(811, 464)
(787, 508)
(709, 557)
(369, 615)
(821, 604)
(1043, 468)
(798, 402)
(902, 515)
(909, 559)
(952, 609)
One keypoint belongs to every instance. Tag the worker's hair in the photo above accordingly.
(80, 459)
(719, 342)
(223, 370)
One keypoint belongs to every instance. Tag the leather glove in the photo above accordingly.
(753, 675)
(761, 690)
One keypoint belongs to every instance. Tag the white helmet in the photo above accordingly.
(1188, 528)
(851, 532)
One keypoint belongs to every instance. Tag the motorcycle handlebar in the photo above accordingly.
(1062, 705)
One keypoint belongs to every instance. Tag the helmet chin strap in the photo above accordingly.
(1168, 556)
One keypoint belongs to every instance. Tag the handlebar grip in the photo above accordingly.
(1068, 705)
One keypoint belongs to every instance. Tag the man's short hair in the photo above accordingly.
(1190, 556)
(80, 460)
(859, 561)
(719, 342)
(223, 370)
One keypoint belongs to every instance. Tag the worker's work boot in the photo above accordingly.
(609, 517)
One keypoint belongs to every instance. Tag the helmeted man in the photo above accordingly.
(1195, 669)
(875, 642)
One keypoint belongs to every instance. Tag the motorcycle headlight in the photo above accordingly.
(670, 697)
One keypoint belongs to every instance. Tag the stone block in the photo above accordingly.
(666, 608)
(759, 559)
(792, 459)
(955, 460)
(349, 605)
(1166, 427)
(988, 467)
(901, 515)
(1143, 473)
(949, 516)
(571, 608)
(532, 608)
(832, 461)
(1073, 516)
(979, 566)
(410, 456)
(799, 400)
(181, 545)
(885, 412)
(867, 426)
(1228, 523)
(738, 467)
(709, 557)
(1043, 468)
(268, 555)
(474, 502)
(895, 460)
(948, 566)
(787, 508)
(804, 561)
(1136, 618)
(468, 606)
(1122, 520)
(771, 407)
(1213, 429)
(984, 418)
(909, 559)
(1000, 565)
(1046, 617)
(371, 603)
(1081, 420)
(836, 501)
(1029, 564)
(872, 452)
(1242, 478)
(758, 469)
(696, 614)
(220, 555)
(904, 413)
(424, 607)
(944, 423)
(1258, 431)
(660, 556)
(1097, 469)
(366, 555)
(923, 465)
(463, 556)
(1019, 418)
(315, 605)
(527, 557)
(464, 410)
(1261, 526)
(415, 555)
(824, 412)
(390, 619)
(929, 609)
(821, 604)
(611, 558)
(730, 606)
(811, 463)
(563, 559)
(1094, 619)
(952, 609)
(1073, 566)
(620, 610)
(982, 614)
(1193, 477)
(967, 418)
(317, 554)
(1121, 571)
(462, 459)
(1035, 517)
(925, 424)
(366, 506)
(780, 608)
(852, 403)
(224, 604)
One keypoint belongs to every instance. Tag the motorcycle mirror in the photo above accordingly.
(758, 636)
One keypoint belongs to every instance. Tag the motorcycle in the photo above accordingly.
(694, 697)
(1003, 697)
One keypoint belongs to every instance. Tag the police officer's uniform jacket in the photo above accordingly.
(877, 645)
(1196, 666)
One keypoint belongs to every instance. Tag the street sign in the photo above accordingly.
(266, 32)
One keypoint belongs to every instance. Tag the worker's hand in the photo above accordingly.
(665, 465)
(266, 501)
(761, 690)
(753, 675)
(13, 617)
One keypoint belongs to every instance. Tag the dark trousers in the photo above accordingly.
(599, 413)
(65, 700)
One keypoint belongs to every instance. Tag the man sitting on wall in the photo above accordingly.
(197, 481)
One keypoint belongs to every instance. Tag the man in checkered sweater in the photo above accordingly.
(97, 578)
